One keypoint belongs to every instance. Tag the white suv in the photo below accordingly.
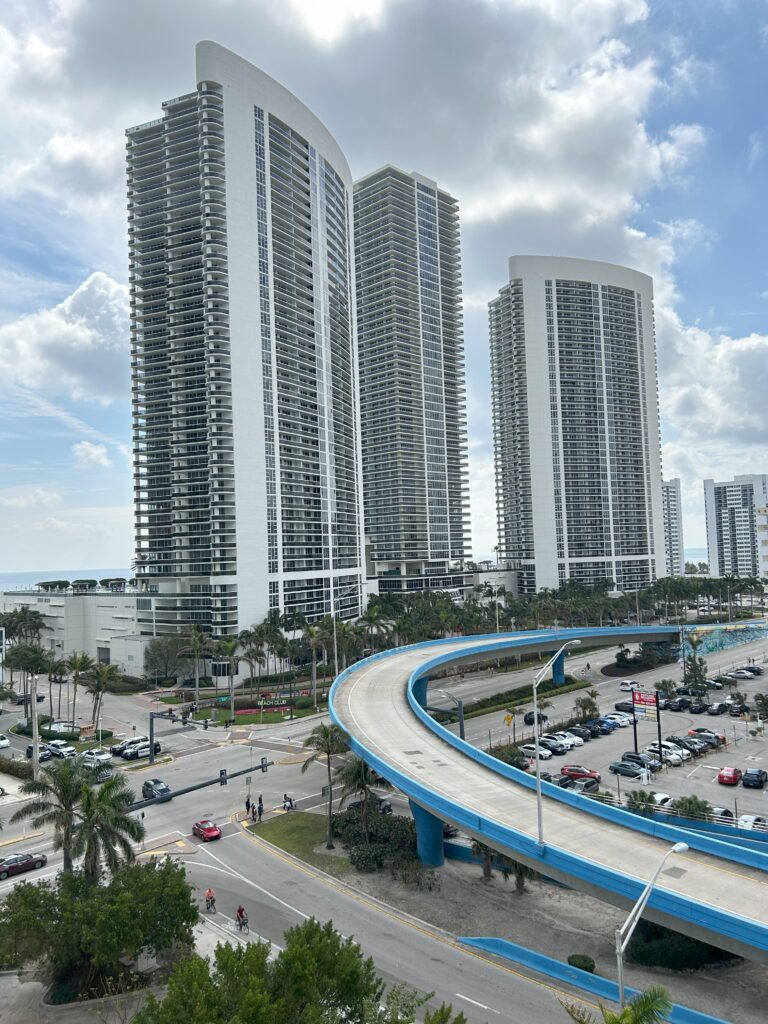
(96, 758)
(60, 748)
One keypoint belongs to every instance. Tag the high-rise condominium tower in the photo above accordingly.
(246, 423)
(737, 538)
(672, 509)
(412, 391)
(576, 424)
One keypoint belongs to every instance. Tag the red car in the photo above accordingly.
(578, 771)
(729, 776)
(207, 830)
(19, 862)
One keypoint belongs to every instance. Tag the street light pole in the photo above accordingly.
(35, 731)
(624, 934)
(459, 708)
(536, 681)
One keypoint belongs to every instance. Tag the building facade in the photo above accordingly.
(733, 514)
(672, 510)
(412, 386)
(576, 424)
(248, 493)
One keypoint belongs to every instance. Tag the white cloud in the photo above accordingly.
(90, 456)
(78, 347)
(35, 497)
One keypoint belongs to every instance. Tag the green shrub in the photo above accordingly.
(48, 734)
(18, 769)
(509, 754)
(410, 871)
(582, 961)
(301, 703)
(655, 946)
(368, 858)
(394, 831)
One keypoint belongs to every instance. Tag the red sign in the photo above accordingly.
(644, 698)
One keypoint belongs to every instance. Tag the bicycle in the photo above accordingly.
(210, 905)
(242, 925)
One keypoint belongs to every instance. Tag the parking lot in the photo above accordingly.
(695, 777)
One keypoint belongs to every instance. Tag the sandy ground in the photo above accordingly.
(557, 922)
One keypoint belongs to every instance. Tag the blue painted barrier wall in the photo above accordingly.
(710, 917)
(603, 988)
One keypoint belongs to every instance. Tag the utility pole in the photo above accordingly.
(35, 734)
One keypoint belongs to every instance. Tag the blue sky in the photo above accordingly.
(609, 129)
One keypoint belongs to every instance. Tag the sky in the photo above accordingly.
(623, 130)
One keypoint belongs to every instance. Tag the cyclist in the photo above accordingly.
(210, 899)
(241, 917)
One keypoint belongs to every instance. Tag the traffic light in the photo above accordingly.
(222, 776)
(263, 764)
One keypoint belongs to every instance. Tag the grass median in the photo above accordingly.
(299, 833)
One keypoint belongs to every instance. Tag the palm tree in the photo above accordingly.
(106, 828)
(98, 682)
(56, 796)
(355, 777)
(198, 646)
(314, 639)
(326, 741)
(482, 850)
(227, 649)
(78, 663)
(649, 1007)
(641, 802)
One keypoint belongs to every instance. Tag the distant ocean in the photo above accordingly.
(695, 554)
(16, 580)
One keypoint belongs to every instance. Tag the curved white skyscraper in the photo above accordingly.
(576, 424)
(245, 379)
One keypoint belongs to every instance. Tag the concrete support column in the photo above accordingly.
(429, 836)
(558, 669)
(420, 691)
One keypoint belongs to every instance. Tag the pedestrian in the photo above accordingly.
(587, 666)
(247, 803)
(260, 808)
(253, 812)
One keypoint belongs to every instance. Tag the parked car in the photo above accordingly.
(43, 753)
(60, 748)
(698, 707)
(598, 726)
(687, 743)
(153, 788)
(754, 670)
(570, 737)
(626, 768)
(666, 753)
(707, 734)
(100, 773)
(715, 684)
(606, 722)
(584, 731)
(4, 742)
(644, 760)
(737, 710)
(729, 776)
(718, 708)
(122, 746)
(586, 786)
(206, 830)
(661, 799)
(749, 822)
(722, 815)
(579, 771)
(740, 673)
(628, 685)
(15, 863)
(95, 757)
(563, 781)
(624, 705)
(20, 698)
(678, 704)
(754, 778)
(621, 719)
(559, 737)
(528, 718)
(137, 750)
(529, 750)
(552, 744)
(382, 806)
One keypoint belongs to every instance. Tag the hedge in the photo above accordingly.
(582, 961)
(521, 695)
(19, 769)
(52, 734)
(653, 945)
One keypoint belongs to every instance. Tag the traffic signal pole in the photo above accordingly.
(221, 780)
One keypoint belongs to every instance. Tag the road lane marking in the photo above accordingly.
(474, 1002)
(409, 921)
(266, 892)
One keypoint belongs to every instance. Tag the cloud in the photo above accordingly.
(36, 497)
(78, 347)
(89, 456)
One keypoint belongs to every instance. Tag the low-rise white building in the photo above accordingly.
(100, 622)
